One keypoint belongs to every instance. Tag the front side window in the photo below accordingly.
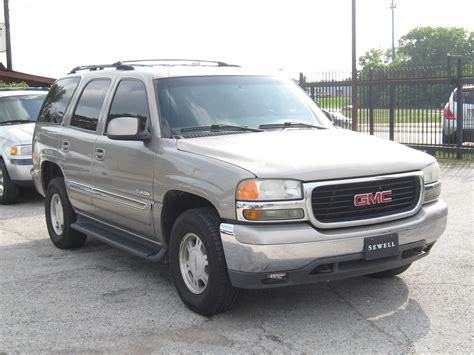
(57, 100)
(249, 101)
(86, 114)
(20, 109)
(130, 101)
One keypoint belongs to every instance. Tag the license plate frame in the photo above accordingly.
(381, 246)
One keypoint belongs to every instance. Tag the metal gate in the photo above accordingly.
(429, 108)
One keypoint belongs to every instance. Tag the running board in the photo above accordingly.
(120, 239)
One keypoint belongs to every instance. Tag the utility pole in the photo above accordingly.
(6, 14)
(354, 69)
(391, 118)
(393, 7)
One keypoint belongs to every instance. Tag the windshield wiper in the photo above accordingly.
(220, 127)
(15, 121)
(289, 125)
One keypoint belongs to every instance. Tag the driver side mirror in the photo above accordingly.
(126, 129)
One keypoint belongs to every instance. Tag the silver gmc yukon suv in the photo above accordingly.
(234, 178)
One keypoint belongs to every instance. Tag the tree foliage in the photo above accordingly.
(21, 84)
(430, 46)
(374, 59)
(423, 46)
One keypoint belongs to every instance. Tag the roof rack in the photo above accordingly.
(117, 66)
(129, 64)
(192, 62)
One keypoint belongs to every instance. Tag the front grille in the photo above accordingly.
(335, 203)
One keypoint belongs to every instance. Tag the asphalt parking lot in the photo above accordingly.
(100, 299)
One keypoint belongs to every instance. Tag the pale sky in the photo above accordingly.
(50, 37)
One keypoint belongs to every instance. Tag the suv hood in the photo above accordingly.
(309, 154)
(23, 133)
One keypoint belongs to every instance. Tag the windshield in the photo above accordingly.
(20, 108)
(245, 101)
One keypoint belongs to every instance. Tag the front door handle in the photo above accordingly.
(65, 146)
(99, 154)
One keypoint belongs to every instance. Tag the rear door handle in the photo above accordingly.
(99, 154)
(65, 147)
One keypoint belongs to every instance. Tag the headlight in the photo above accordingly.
(269, 190)
(21, 150)
(431, 173)
(266, 200)
(431, 176)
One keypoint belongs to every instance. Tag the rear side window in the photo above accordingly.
(130, 101)
(468, 97)
(57, 100)
(86, 114)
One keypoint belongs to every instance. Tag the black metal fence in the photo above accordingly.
(429, 108)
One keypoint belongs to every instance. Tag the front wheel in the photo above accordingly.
(59, 217)
(197, 263)
(8, 190)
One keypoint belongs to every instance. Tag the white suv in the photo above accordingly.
(450, 117)
(19, 108)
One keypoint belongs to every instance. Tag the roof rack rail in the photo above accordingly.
(129, 64)
(117, 66)
(141, 62)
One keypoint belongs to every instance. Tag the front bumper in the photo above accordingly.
(254, 251)
(19, 170)
(36, 174)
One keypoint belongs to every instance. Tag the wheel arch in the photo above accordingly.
(175, 202)
(49, 171)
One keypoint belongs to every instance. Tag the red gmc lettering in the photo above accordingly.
(372, 199)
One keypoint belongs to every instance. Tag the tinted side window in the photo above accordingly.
(468, 97)
(86, 114)
(57, 100)
(130, 101)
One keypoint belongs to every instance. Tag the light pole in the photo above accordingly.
(393, 6)
(6, 15)
(354, 69)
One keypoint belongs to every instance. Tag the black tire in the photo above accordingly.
(8, 190)
(219, 295)
(391, 272)
(68, 238)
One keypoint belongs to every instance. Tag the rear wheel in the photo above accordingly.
(391, 272)
(197, 263)
(8, 190)
(59, 217)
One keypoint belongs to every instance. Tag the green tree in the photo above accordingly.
(431, 45)
(425, 46)
(21, 84)
(373, 59)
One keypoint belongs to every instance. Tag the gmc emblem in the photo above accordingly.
(372, 199)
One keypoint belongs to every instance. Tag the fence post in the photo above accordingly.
(460, 108)
(371, 102)
(391, 129)
(302, 81)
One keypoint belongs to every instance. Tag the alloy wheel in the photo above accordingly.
(193, 263)
(57, 214)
